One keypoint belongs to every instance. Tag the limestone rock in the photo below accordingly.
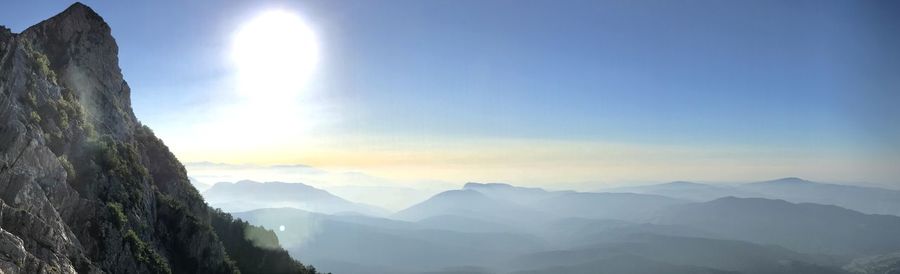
(84, 187)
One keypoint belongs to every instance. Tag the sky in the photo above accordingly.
(540, 93)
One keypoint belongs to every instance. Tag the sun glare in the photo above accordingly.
(274, 56)
(274, 53)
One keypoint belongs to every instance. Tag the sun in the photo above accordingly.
(274, 54)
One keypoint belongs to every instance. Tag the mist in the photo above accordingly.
(450, 137)
(787, 225)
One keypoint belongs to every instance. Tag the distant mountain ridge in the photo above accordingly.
(503, 228)
(805, 227)
(471, 203)
(524, 206)
(515, 194)
(360, 244)
(685, 190)
(248, 195)
(864, 199)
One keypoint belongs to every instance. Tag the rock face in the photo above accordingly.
(84, 187)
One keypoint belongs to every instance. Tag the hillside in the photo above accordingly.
(668, 254)
(864, 199)
(84, 186)
(686, 190)
(529, 206)
(359, 244)
(811, 228)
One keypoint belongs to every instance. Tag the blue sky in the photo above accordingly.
(805, 80)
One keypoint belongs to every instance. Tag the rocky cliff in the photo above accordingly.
(84, 187)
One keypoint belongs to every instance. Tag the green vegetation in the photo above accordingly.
(56, 115)
(138, 247)
(186, 229)
(119, 161)
(110, 169)
(118, 214)
(34, 118)
(41, 64)
(29, 94)
(70, 170)
(164, 165)
(63, 120)
(70, 110)
(124, 160)
(247, 254)
(145, 254)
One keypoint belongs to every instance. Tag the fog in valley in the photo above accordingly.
(450, 137)
(787, 225)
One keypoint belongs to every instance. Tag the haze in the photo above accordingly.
(464, 137)
(579, 94)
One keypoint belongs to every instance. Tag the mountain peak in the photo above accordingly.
(474, 185)
(499, 187)
(789, 180)
(87, 181)
(79, 7)
(459, 193)
(78, 45)
(76, 17)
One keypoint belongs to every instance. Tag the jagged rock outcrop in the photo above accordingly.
(84, 187)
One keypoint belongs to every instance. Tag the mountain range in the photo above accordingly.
(501, 228)
(804, 227)
(85, 187)
(864, 199)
